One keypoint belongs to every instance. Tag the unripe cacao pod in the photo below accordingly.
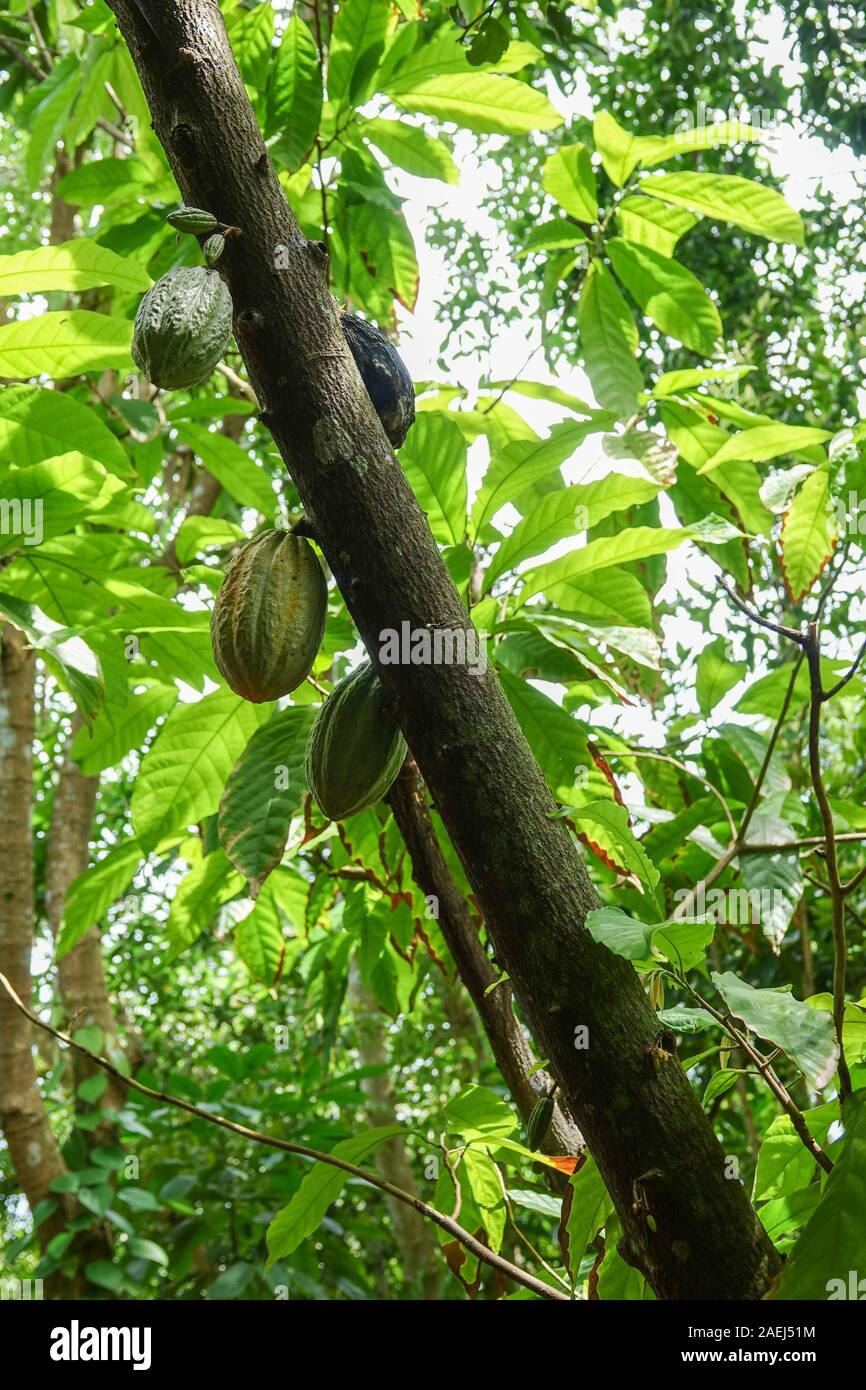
(269, 616)
(355, 749)
(182, 327)
(538, 1123)
(384, 374)
(213, 248)
(192, 220)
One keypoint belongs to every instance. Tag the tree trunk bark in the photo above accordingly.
(35, 1156)
(416, 1238)
(81, 970)
(493, 1005)
(653, 1144)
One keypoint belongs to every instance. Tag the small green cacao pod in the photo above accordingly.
(192, 220)
(539, 1122)
(269, 616)
(213, 248)
(355, 749)
(182, 327)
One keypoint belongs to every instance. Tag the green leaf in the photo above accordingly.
(805, 1034)
(232, 466)
(183, 773)
(93, 892)
(809, 534)
(766, 442)
(252, 38)
(434, 460)
(613, 818)
(609, 340)
(263, 792)
(620, 151)
(199, 533)
(105, 181)
(259, 940)
(565, 513)
(671, 295)
(550, 236)
(655, 149)
(294, 106)
(37, 424)
(557, 740)
(69, 660)
(829, 1258)
(638, 543)
(588, 1209)
(568, 178)
(141, 1249)
(522, 462)
(482, 103)
(73, 265)
(410, 148)
(121, 726)
(104, 1275)
(478, 1113)
(360, 29)
(320, 1188)
(64, 344)
(729, 198)
(620, 933)
(653, 224)
(210, 882)
(232, 1282)
(384, 243)
(716, 674)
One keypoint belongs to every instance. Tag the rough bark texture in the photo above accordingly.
(644, 1126)
(416, 1238)
(33, 1150)
(507, 1040)
(81, 971)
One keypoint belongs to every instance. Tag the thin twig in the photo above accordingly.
(446, 1223)
(792, 633)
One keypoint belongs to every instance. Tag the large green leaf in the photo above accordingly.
(716, 674)
(434, 460)
(654, 224)
(482, 103)
(263, 792)
(64, 343)
(72, 265)
(121, 726)
(69, 660)
(294, 105)
(357, 44)
(568, 178)
(410, 148)
(92, 893)
(38, 424)
(210, 882)
(609, 340)
(766, 442)
(183, 774)
(829, 1258)
(384, 243)
(638, 543)
(320, 1188)
(517, 465)
(671, 295)
(259, 939)
(729, 198)
(809, 534)
(105, 181)
(565, 513)
(48, 499)
(806, 1034)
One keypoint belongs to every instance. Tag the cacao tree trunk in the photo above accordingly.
(654, 1145)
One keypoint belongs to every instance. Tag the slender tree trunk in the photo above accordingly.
(81, 970)
(587, 1010)
(36, 1159)
(415, 1236)
(493, 1002)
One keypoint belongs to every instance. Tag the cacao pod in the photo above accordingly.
(182, 327)
(213, 248)
(355, 749)
(269, 616)
(538, 1123)
(193, 220)
(384, 374)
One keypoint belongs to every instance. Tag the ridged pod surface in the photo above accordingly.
(182, 327)
(269, 616)
(355, 749)
(194, 221)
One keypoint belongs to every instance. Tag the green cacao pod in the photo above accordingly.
(213, 248)
(193, 220)
(355, 749)
(182, 327)
(539, 1122)
(269, 616)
